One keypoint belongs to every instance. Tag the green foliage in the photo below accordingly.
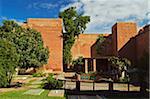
(51, 83)
(78, 64)
(28, 43)
(100, 45)
(39, 74)
(78, 61)
(74, 24)
(8, 62)
(126, 79)
(120, 63)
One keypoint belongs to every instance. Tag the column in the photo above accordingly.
(94, 65)
(111, 86)
(86, 66)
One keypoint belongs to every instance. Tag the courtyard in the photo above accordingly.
(74, 49)
(31, 89)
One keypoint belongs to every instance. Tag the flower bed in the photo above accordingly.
(87, 76)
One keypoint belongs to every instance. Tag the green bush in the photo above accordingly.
(51, 83)
(125, 79)
(38, 74)
(28, 43)
(8, 62)
(78, 64)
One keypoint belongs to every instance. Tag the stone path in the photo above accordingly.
(85, 97)
(34, 91)
(34, 87)
(35, 84)
(59, 93)
(38, 81)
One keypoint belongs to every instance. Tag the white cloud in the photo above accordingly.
(78, 6)
(105, 13)
(39, 5)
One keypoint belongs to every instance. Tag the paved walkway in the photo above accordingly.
(85, 97)
(59, 93)
(34, 91)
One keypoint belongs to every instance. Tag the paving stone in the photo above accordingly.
(37, 82)
(34, 91)
(59, 93)
(34, 86)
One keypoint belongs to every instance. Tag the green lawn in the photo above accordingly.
(20, 95)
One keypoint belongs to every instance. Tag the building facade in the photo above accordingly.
(51, 31)
(125, 41)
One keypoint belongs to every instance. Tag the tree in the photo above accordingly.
(121, 65)
(100, 44)
(74, 24)
(9, 59)
(28, 43)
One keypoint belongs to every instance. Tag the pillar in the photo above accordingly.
(94, 65)
(111, 86)
(78, 85)
(86, 66)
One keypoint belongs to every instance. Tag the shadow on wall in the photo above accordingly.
(103, 49)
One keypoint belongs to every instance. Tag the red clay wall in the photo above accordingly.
(136, 46)
(123, 42)
(129, 50)
(114, 40)
(106, 47)
(82, 45)
(121, 34)
(51, 31)
(142, 42)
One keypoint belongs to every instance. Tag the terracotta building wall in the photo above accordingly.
(114, 40)
(142, 42)
(122, 32)
(106, 50)
(51, 31)
(82, 45)
(129, 51)
(136, 46)
(124, 41)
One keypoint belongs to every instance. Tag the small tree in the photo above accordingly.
(28, 43)
(121, 65)
(8, 62)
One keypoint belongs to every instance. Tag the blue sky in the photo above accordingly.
(103, 13)
(23, 9)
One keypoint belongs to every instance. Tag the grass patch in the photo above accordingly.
(20, 95)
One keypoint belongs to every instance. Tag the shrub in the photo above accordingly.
(28, 43)
(51, 83)
(78, 64)
(38, 74)
(125, 79)
(8, 62)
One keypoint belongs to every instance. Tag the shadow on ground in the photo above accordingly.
(107, 94)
